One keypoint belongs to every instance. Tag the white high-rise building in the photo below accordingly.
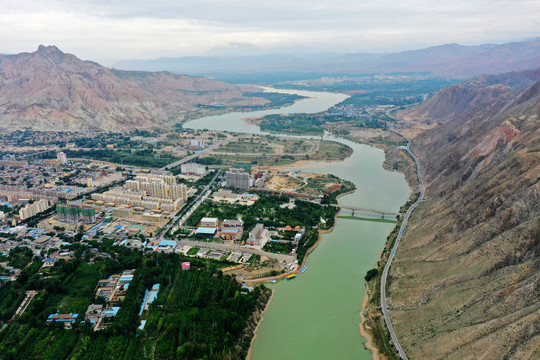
(61, 156)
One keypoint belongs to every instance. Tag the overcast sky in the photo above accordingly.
(109, 30)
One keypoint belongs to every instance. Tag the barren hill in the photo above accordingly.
(51, 90)
(466, 280)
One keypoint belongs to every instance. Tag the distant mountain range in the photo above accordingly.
(468, 270)
(51, 90)
(451, 60)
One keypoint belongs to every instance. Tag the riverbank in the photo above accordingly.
(395, 159)
(252, 120)
(370, 344)
(310, 250)
(302, 264)
(260, 319)
(270, 105)
(372, 326)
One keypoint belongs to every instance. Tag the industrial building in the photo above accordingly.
(233, 223)
(209, 222)
(231, 233)
(206, 231)
(66, 319)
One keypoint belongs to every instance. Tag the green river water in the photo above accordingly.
(316, 315)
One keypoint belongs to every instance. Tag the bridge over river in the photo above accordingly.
(359, 208)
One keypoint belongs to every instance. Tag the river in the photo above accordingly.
(316, 315)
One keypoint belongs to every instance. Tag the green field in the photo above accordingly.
(247, 146)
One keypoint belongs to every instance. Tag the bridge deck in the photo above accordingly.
(359, 208)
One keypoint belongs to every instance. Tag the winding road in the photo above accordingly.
(384, 307)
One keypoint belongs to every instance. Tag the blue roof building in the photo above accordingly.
(167, 243)
(206, 231)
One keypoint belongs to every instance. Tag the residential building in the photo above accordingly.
(123, 213)
(68, 213)
(88, 215)
(193, 168)
(33, 209)
(238, 180)
(149, 191)
(61, 156)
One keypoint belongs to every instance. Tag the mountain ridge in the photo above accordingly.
(449, 60)
(51, 90)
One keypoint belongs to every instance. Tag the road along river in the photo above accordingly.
(316, 315)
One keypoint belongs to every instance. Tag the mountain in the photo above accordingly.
(450, 60)
(216, 65)
(51, 90)
(455, 101)
(517, 80)
(481, 92)
(465, 282)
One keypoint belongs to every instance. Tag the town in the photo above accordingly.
(252, 223)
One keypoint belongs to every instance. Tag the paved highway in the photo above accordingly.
(393, 252)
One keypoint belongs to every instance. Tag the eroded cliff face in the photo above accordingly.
(51, 90)
(466, 279)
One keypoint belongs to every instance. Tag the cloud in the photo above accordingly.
(101, 29)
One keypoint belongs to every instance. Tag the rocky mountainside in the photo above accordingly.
(51, 90)
(465, 283)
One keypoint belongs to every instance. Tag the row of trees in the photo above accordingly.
(142, 157)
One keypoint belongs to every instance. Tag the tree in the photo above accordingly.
(371, 274)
